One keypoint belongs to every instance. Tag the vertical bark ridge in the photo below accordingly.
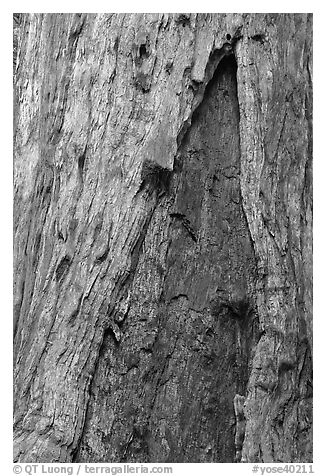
(275, 153)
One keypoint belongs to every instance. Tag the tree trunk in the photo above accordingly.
(163, 238)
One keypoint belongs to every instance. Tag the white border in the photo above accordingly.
(319, 199)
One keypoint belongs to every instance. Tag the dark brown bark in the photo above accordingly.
(163, 238)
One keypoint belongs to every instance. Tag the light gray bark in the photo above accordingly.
(163, 237)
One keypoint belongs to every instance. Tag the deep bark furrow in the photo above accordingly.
(163, 226)
(212, 139)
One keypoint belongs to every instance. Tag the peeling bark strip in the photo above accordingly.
(163, 237)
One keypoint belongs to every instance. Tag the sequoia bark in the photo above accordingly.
(163, 238)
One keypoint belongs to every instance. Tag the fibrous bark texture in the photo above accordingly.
(163, 238)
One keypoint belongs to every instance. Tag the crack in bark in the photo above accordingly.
(204, 343)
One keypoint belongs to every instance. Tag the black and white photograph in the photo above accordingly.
(162, 242)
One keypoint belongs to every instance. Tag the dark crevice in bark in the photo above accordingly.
(235, 329)
(81, 163)
(142, 347)
(214, 60)
(210, 259)
(62, 268)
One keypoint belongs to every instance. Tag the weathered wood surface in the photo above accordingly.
(163, 238)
